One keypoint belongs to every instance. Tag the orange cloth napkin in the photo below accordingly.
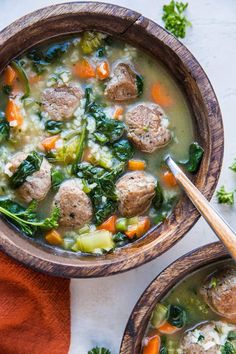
(34, 311)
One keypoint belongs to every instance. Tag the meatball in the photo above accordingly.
(61, 102)
(135, 192)
(219, 292)
(75, 206)
(206, 338)
(38, 184)
(146, 129)
(122, 85)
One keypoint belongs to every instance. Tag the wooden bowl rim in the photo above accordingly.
(161, 285)
(122, 260)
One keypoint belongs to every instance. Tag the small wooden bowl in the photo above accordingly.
(160, 286)
(131, 27)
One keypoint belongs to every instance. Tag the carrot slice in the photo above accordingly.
(132, 231)
(143, 226)
(102, 70)
(153, 346)
(53, 237)
(169, 179)
(50, 142)
(118, 112)
(160, 95)
(135, 165)
(13, 113)
(83, 69)
(109, 224)
(168, 328)
(9, 75)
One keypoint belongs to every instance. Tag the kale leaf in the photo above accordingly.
(7, 89)
(98, 350)
(27, 167)
(195, 157)
(159, 198)
(25, 219)
(165, 209)
(57, 177)
(123, 150)
(228, 348)
(174, 18)
(139, 83)
(4, 128)
(53, 127)
(176, 316)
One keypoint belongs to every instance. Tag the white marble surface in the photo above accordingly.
(100, 307)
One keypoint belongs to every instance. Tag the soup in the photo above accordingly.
(198, 315)
(85, 123)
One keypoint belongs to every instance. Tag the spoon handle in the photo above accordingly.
(216, 222)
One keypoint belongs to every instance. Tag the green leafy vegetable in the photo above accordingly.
(120, 239)
(23, 77)
(57, 178)
(225, 197)
(233, 166)
(213, 283)
(27, 167)
(101, 52)
(55, 52)
(4, 128)
(25, 219)
(195, 157)
(53, 127)
(165, 210)
(176, 316)
(123, 150)
(103, 193)
(6, 89)
(159, 198)
(174, 18)
(82, 141)
(139, 83)
(232, 335)
(159, 315)
(98, 350)
(91, 41)
(228, 348)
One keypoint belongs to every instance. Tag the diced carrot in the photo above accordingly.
(169, 179)
(168, 328)
(50, 142)
(34, 79)
(109, 224)
(153, 346)
(143, 226)
(13, 113)
(135, 165)
(83, 69)
(53, 237)
(161, 96)
(87, 155)
(103, 70)
(118, 112)
(132, 231)
(9, 75)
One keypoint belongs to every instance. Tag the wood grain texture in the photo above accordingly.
(161, 285)
(133, 28)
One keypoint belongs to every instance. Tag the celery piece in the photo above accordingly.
(84, 230)
(121, 224)
(159, 315)
(94, 240)
(133, 221)
(68, 242)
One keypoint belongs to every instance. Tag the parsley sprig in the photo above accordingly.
(174, 18)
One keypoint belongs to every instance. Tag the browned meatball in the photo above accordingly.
(61, 102)
(122, 85)
(219, 292)
(75, 206)
(135, 191)
(205, 338)
(38, 184)
(146, 128)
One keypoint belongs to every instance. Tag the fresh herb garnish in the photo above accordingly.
(27, 167)
(174, 18)
(123, 150)
(25, 219)
(98, 350)
(225, 197)
(53, 127)
(195, 157)
(176, 316)
(4, 128)
(233, 166)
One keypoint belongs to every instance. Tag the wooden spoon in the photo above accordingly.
(216, 222)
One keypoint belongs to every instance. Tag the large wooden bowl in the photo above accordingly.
(160, 286)
(132, 27)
